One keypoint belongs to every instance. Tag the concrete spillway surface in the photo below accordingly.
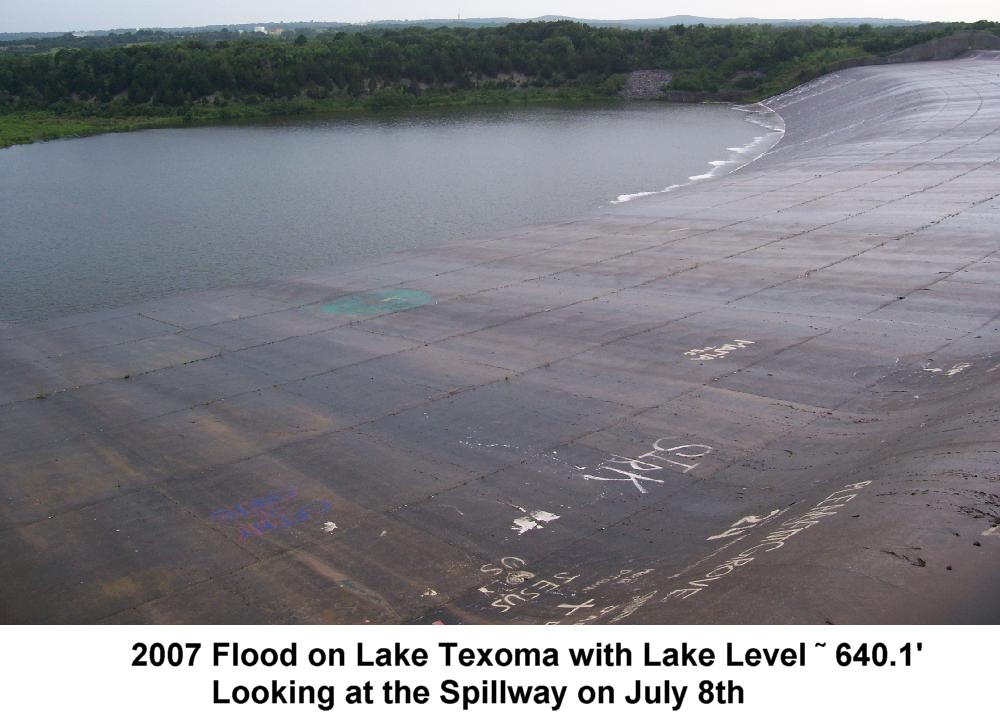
(769, 397)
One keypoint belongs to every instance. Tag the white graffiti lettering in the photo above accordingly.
(717, 353)
(634, 470)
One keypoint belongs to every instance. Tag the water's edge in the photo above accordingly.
(101, 223)
(740, 156)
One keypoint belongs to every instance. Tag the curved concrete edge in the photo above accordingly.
(759, 114)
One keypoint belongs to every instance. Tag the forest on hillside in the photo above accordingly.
(251, 74)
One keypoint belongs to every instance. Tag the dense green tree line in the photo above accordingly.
(395, 66)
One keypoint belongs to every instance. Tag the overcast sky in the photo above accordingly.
(59, 15)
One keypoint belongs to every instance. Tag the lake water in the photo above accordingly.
(110, 220)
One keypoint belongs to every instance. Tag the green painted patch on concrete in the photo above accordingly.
(378, 301)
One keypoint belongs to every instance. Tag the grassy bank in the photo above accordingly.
(24, 128)
(30, 126)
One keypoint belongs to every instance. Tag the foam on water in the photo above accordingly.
(629, 197)
(740, 156)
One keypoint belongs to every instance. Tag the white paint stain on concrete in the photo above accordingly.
(950, 372)
(523, 525)
(532, 521)
(738, 528)
(329, 527)
(721, 351)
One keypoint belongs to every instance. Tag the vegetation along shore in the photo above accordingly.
(49, 91)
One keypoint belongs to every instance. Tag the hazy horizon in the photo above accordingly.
(47, 16)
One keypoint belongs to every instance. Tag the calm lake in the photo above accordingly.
(110, 220)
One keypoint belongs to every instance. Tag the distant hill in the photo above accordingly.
(480, 22)
(664, 22)
(699, 20)
(636, 23)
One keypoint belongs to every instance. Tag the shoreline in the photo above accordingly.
(723, 167)
(24, 129)
(30, 127)
(645, 142)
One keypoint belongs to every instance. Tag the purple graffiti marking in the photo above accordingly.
(270, 512)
